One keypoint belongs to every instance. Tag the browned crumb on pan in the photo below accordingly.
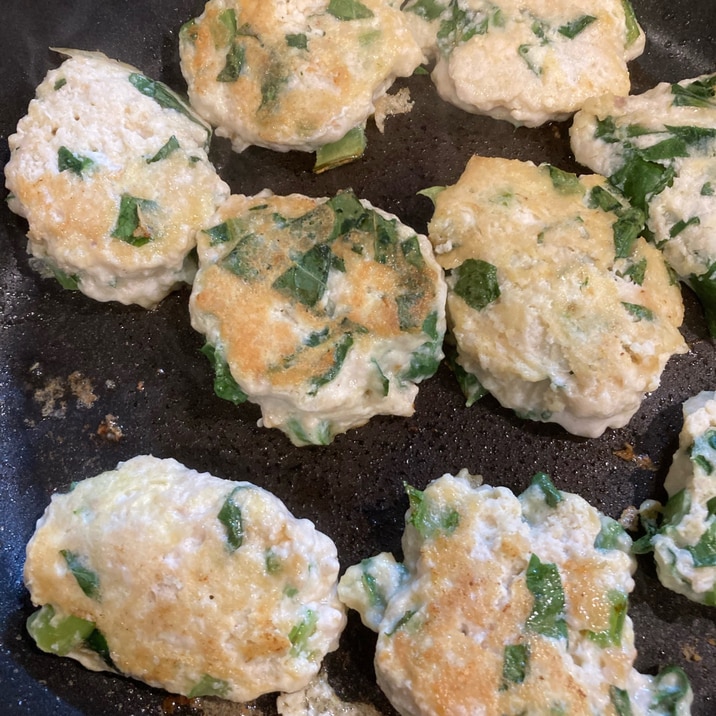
(51, 398)
(690, 653)
(81, 388)
(643, 461)
(110, 429)
(629, 518)
(390, 104)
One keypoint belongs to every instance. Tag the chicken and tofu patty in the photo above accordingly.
(110, 169)
(188, 582)
(325, 312)
(557, 306)
(659, 149)
(293, 75)
(529, 61)
(685, 543)
(507, 605)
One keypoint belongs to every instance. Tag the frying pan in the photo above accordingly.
(84, 385)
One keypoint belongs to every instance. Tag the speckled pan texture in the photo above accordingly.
(84, 385)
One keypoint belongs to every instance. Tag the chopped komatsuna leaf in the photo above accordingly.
(68, 161)
(370, 585)
(234, 63)
(59, 84)
(514, 664)
(348, 213)
(87, 579)
(704, 286)
(384, 381)
(130, 227)
(632, 26)
(224, 384)
(707, 189)
(703, 552)
(711, 507)
(321, 436)
(343, 346)
(348, 10)
(224, 31)
(702, 446)
(547, 615)
(343, 151)
(302, 632)
(671, 688)
(571, 29)
(612, 636)
(298, 40)
(68, 281)
(411, 250)
(552, 496)
(429, 520)
(209, 686)
(424, 361)
(402, 621)
(477, 283)
(636, 271)
(163, 96)
(523, 51)
(699, 93)
(626, 229)
(430, 326)
(273, 81)
(230, 516)
(432, 192)
(427, 9)
(612, 536)
(681, 225)
(639, 312)
(640, 180)
(316, 338)
(620, 700)
(98, 643)
(565, 182)
(676, 508)
(407, 304)
(274, 564)
(306, 280)
(171, 145)
(385, 236)
(649, 518)
(237, 261)
(57, 634)
(601, 198)
(469, 383)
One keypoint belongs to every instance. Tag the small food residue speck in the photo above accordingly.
(110, 429)
(643, 461)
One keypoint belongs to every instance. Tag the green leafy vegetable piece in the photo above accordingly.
(306, 280)
(432, 192)
(636, 271)
(426, 518)
(87, 579)
(298, 40)
(704, 551)
(620, 700)
(348, 214)
(704, 286)
(459, 26)
(601, 198)
(612, 535)
(627, 228)
(573, 28)
(171, 145)
(376, 598)
(302, 632)
(384, 380)
(469, 383)
(343, 151)
(59, 84)
(514, 664)
(402, 621)
(274, 563)
(67, 281)
(671, 688)
(676, 508)
(230, 516)
(427, 9)
(639, 312)
(163, 96)
(238, 260)
(224, 384)
(681, 225)
(98, 643)
(385, 236)
(640, 179)
(565, 182)
(707, 189)
(407, 304)
(55, 634)
(348, 10)
(703, 448)
(271, 85)
(632, 26)
(225, 29)
(612, 636)
(547, 615)
(209, 686)
(425, 361)
(68, 161)
(323, 434)
(234, 63)
(699, 93)
(130, 227)
(343, 346)
(552, 496)
(524, 52)
(411, 251)
(477, 283)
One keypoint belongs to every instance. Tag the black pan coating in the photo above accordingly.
(146, 370)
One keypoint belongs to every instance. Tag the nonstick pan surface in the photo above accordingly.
(84, 385)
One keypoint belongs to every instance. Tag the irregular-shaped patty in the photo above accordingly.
(558, 308)
(293, 75)
(507, 605)
(529, 61)
(685, 543)
(111, 172)
(659, 148)
(190, 583)
(325, 312)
